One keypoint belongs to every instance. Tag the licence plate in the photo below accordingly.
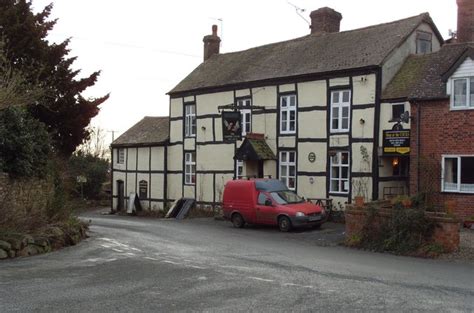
(314, 218)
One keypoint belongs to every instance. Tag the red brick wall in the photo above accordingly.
(441, 132)
(446, 232)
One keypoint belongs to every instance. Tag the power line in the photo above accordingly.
(133, 46)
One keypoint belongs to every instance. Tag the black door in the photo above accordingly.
(120, 194)
(260, 169)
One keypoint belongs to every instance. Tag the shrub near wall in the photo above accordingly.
(402, 230)
(33, 220)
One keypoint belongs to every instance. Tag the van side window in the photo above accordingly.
(261, 199)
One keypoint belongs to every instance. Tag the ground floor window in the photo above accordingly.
(190, 168)
(458, 174)
(339, 178)
(239, 169)
(143, 189)
(288, 168)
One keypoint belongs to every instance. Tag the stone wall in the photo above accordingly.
(20, 198)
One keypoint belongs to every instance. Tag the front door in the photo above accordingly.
(120, 194)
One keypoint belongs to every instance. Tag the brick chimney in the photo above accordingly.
(465, 31)
(211, 43)
(325, 20)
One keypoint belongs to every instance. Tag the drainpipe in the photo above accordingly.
(418, 145)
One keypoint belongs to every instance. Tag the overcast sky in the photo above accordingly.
(145, 47)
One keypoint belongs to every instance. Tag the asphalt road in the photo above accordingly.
(132, 264)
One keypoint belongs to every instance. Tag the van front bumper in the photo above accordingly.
(308, 220)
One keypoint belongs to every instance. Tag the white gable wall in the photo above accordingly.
(395, 61)
(466, 69)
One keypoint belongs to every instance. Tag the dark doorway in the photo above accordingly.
(260, 169)
(120, 195)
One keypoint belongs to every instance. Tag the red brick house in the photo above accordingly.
(440, 89)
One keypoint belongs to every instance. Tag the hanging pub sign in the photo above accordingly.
(231, 125)
(396, 141)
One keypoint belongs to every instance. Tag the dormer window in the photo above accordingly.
(423, 42)
(462, 96)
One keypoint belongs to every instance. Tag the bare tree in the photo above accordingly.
(96, 145)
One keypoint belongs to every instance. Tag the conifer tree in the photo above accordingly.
(63, 109)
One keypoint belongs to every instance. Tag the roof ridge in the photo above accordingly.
(161, 116)
(421, 15)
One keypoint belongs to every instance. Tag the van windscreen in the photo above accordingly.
(270, 185)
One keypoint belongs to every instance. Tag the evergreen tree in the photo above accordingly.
(63, 109)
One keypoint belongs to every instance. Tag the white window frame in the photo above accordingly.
(288, 109)
(287, 164)
(340, 105)
(190, 120)
(246, 115)
(467, 105)
(121, 156)
(340, 166)
(189, 168)
(458, 183)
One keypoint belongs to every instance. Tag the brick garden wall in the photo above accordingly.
(446, 232)
(441, 132)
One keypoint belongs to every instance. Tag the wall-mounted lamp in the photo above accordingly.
(394, 162)
(362, 121)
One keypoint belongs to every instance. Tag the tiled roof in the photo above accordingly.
(421, 76)
(150, 130)
(254, 148)
(311, 54)
(262, 149)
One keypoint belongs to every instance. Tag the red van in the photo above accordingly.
(270, 202)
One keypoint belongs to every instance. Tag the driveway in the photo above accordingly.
(132, 264)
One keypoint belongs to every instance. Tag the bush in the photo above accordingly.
(24, 144)
(406, 231)
(93, 168)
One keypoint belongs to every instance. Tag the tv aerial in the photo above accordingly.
(299, 11)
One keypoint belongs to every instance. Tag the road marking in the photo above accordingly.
(297, 285)
(198, 267)
(171, 262)
(261, 279)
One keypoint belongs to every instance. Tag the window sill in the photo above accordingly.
(339, 132)
(335, 193)
(461, 108)
(457, 192)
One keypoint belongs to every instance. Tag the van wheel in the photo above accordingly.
(284, 224)
(237, 220)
